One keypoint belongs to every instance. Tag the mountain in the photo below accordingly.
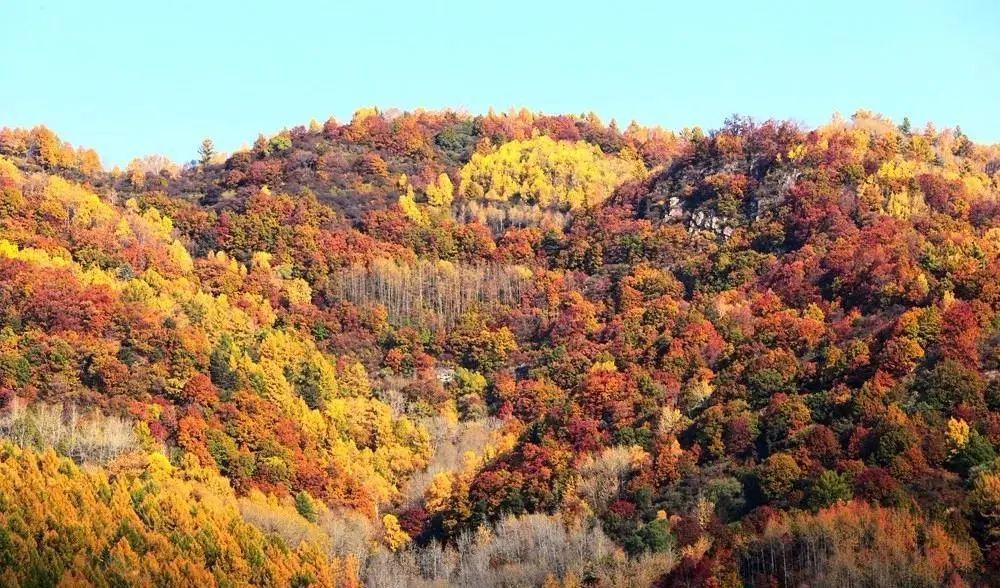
(431, 348)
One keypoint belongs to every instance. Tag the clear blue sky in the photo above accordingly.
(131, 78)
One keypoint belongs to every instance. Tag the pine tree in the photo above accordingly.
(206, 151)
(905, 128)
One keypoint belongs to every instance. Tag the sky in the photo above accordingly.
(135, 78)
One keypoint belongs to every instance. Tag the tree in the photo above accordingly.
(305, 506)
(220, 364)
(855, 543)
(372, 166)
(206, 151)
(543, 172)
(480, 347)
(976, 452)
(905, 128)
(778, 475)
(985, 500)
(115, 527)
(656, 535)
(948, 384)
(828, 489)
(440, 194)
(395, 537)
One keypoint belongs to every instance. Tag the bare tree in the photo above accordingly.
(90, 437)
(428, 292)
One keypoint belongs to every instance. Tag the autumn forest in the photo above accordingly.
(504, 349)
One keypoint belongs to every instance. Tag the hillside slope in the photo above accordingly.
(445, 347)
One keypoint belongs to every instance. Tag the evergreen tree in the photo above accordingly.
(206, 151)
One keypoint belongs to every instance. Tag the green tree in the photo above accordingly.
(206, 151)
(305, 506)
(976, 452)
(220, 364)
(948, 384)
(828, 489)
(656, 536)
(905, 128)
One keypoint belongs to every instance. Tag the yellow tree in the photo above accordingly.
(440, 194)
(544, 172)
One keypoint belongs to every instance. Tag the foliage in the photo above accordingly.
(542, 171)
(558, 352)
(146, 523)
(856, 544)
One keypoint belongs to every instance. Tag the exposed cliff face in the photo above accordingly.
(692, 196)
(731, 180)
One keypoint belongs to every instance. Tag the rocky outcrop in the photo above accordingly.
(682, 195)
(706, 220)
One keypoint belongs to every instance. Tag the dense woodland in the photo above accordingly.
(431, 349)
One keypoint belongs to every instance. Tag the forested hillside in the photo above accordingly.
(431, 349)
